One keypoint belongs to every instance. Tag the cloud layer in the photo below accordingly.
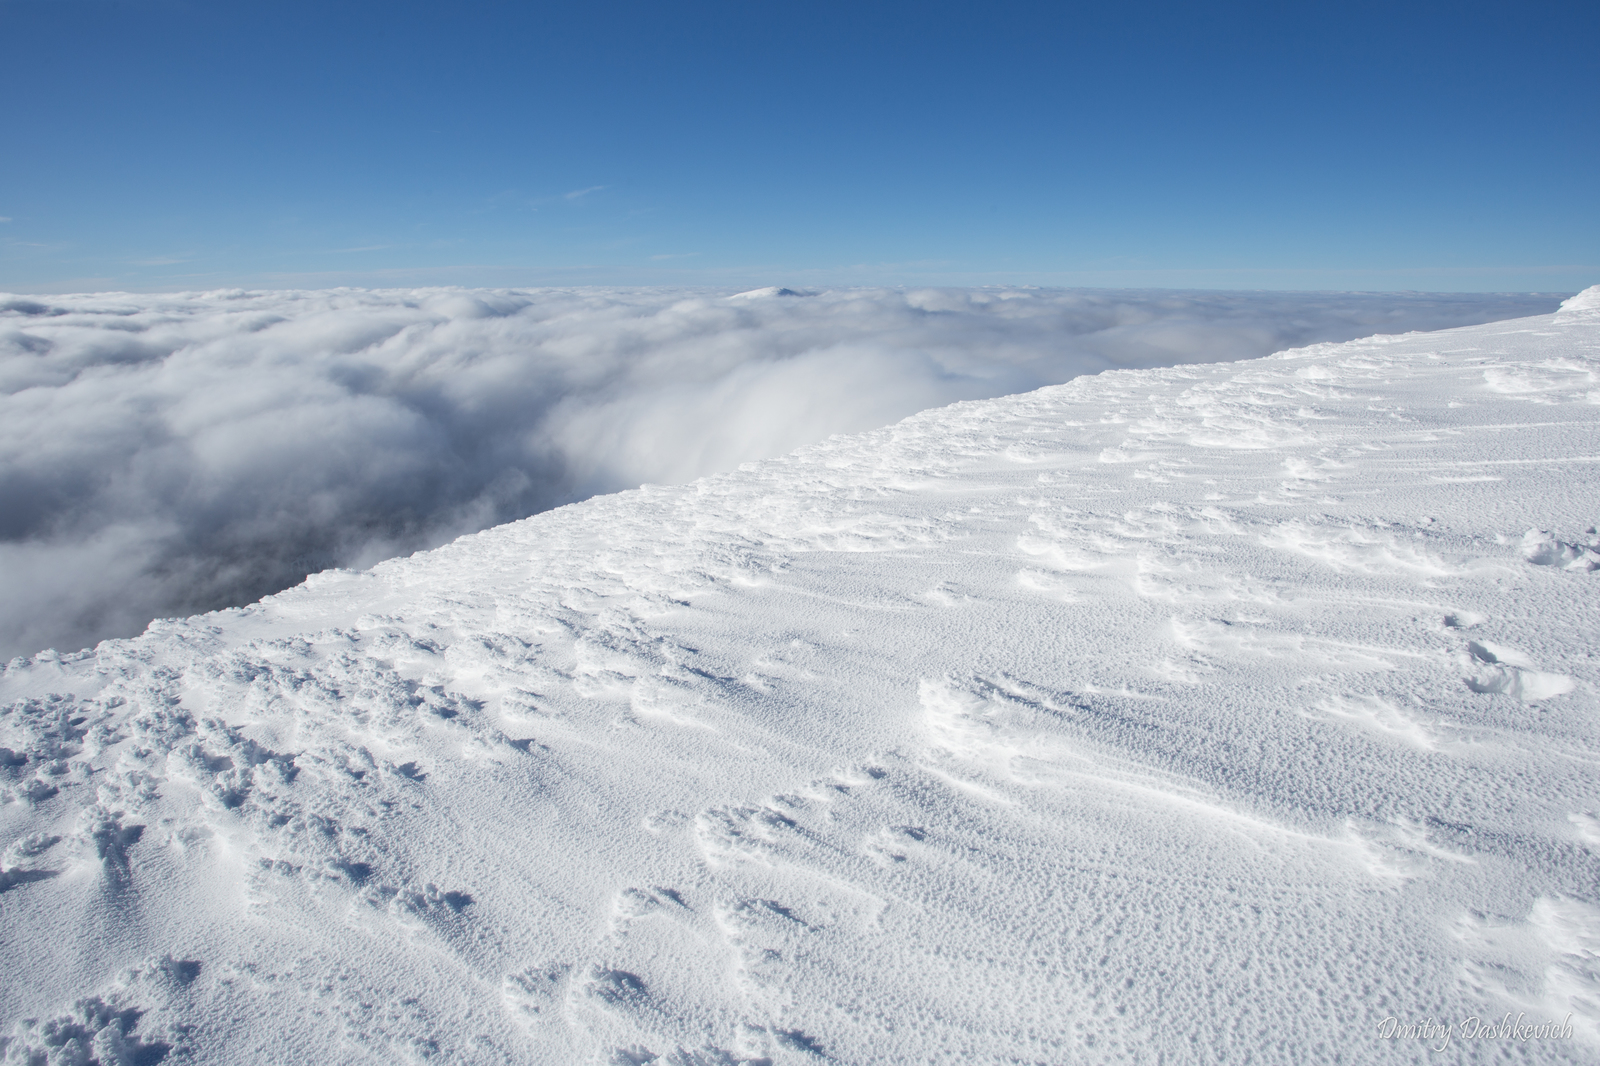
(164, 455)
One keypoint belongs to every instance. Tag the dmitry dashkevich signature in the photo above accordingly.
(1438, 1034)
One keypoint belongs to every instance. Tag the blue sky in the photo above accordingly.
(169, 144)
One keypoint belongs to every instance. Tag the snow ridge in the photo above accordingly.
(1197, 713)
(166, 455)
(1585, 303)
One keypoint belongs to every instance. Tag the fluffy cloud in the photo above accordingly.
(169, 454)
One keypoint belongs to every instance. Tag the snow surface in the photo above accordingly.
(1212, 713)
(163, 455)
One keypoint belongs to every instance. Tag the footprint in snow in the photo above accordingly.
(1498, 669)
(732, 834)
(1541, 548)
(894, 843)
(633, 904)
(616, 988)
(535, 991)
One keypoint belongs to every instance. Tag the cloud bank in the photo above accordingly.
(164, 455)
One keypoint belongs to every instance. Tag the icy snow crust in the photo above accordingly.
(1191, 714)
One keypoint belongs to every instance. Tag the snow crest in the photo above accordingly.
(1585, 303)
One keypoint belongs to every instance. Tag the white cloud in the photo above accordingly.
(167, 454)
(579, 193)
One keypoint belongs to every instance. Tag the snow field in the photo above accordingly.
(1194, 714)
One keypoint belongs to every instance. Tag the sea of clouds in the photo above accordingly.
(168, 454)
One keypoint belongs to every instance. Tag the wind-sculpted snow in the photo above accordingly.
(162, 455)
(1218, 713)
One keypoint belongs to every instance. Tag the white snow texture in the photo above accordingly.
(1217, 713)
(163, 455)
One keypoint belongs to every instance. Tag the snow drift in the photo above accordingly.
(166, 454)
(1214, 713)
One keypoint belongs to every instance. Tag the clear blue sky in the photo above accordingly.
(160, 144)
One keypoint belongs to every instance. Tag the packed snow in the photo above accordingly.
(1228, 712)
(165, 455)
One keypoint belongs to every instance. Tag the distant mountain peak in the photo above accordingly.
(770, 290)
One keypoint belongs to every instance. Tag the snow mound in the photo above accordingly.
(1210, 713)
(1584, 303)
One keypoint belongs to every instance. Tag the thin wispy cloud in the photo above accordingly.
(162, 455)
(578, 194)
(676, 255)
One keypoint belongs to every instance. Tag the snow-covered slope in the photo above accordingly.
(167, 455)
(1192, 714)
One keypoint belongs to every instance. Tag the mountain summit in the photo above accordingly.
(1212, 712)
